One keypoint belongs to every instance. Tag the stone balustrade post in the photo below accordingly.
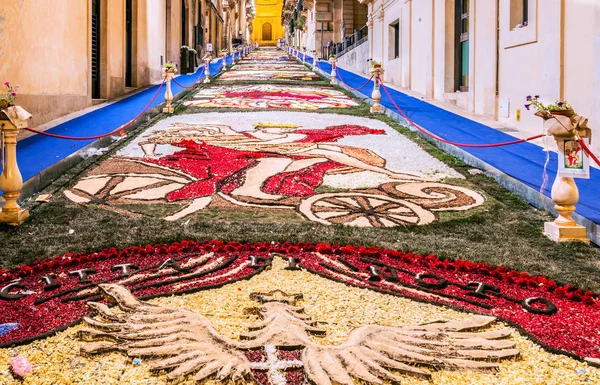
(334, 81)
(168, 109)
(12, 120)
(376, 72)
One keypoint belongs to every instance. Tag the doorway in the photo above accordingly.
(462, 46)
(95, 49)
(267, 30)
(128, 42)
(183, 23)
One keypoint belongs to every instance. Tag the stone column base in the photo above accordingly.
(377, 109)
(169, 110)
(15, 218)
(566, 233)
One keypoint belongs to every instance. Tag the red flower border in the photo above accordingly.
(573, 330)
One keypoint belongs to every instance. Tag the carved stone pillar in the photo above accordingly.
(12, 120)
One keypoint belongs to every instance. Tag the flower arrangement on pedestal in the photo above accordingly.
(332, 57)
(170, 67)
(376, 68)
(373, 63)
(566, 122)
(546, 111)
(301, 22)
(569, 130)
(8, 98)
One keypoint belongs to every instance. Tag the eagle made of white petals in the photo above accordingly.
(184, 343)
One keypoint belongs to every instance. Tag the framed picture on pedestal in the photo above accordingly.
(573, 162)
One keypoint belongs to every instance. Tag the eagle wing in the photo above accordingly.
(371, 352)
(178, 340)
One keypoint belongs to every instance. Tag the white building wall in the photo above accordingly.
(155, 30)
(557, 56)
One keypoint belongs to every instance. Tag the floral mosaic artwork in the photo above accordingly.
(531, 330)
(266, 60)
(274, 161)
(270, 96)
(269, 67)
(268, 75)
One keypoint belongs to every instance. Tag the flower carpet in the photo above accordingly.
(268, 75)
(267, 96)
(279, 313)
(549, 330)
(242, 66)
(361, 173)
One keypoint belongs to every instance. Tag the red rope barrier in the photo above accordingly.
(103, 135)
(193, 84)
(348, 86)
(517, 141)
(588, 151)
(319, 66)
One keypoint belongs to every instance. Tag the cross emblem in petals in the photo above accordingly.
(274, 366)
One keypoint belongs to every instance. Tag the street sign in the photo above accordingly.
(324, 16)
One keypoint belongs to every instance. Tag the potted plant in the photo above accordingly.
(374, 64)
(170, 67)
(546, 111)
(300, 22)
(8, 98)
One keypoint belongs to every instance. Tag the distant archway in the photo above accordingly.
(267, 32)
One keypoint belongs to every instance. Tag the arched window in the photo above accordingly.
(266, 31)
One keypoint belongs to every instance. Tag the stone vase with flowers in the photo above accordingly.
(8, 98)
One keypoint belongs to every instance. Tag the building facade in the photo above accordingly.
(239, 16)
(486, 56)
(480, 56)
(67, 55)
(317, 24)
(267, 26)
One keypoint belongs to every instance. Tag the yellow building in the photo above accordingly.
(266, 27)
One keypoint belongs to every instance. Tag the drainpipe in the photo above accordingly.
(497, 58)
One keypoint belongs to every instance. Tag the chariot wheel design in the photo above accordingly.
(364, 210)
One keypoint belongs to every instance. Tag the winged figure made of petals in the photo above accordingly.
(184, 343)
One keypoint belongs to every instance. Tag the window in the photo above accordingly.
(519, 22)
(394, 39)
(519, 14)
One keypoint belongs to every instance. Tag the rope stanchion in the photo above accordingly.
(588, 151)
(348, 86)
(471, 145)
(102, 135)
